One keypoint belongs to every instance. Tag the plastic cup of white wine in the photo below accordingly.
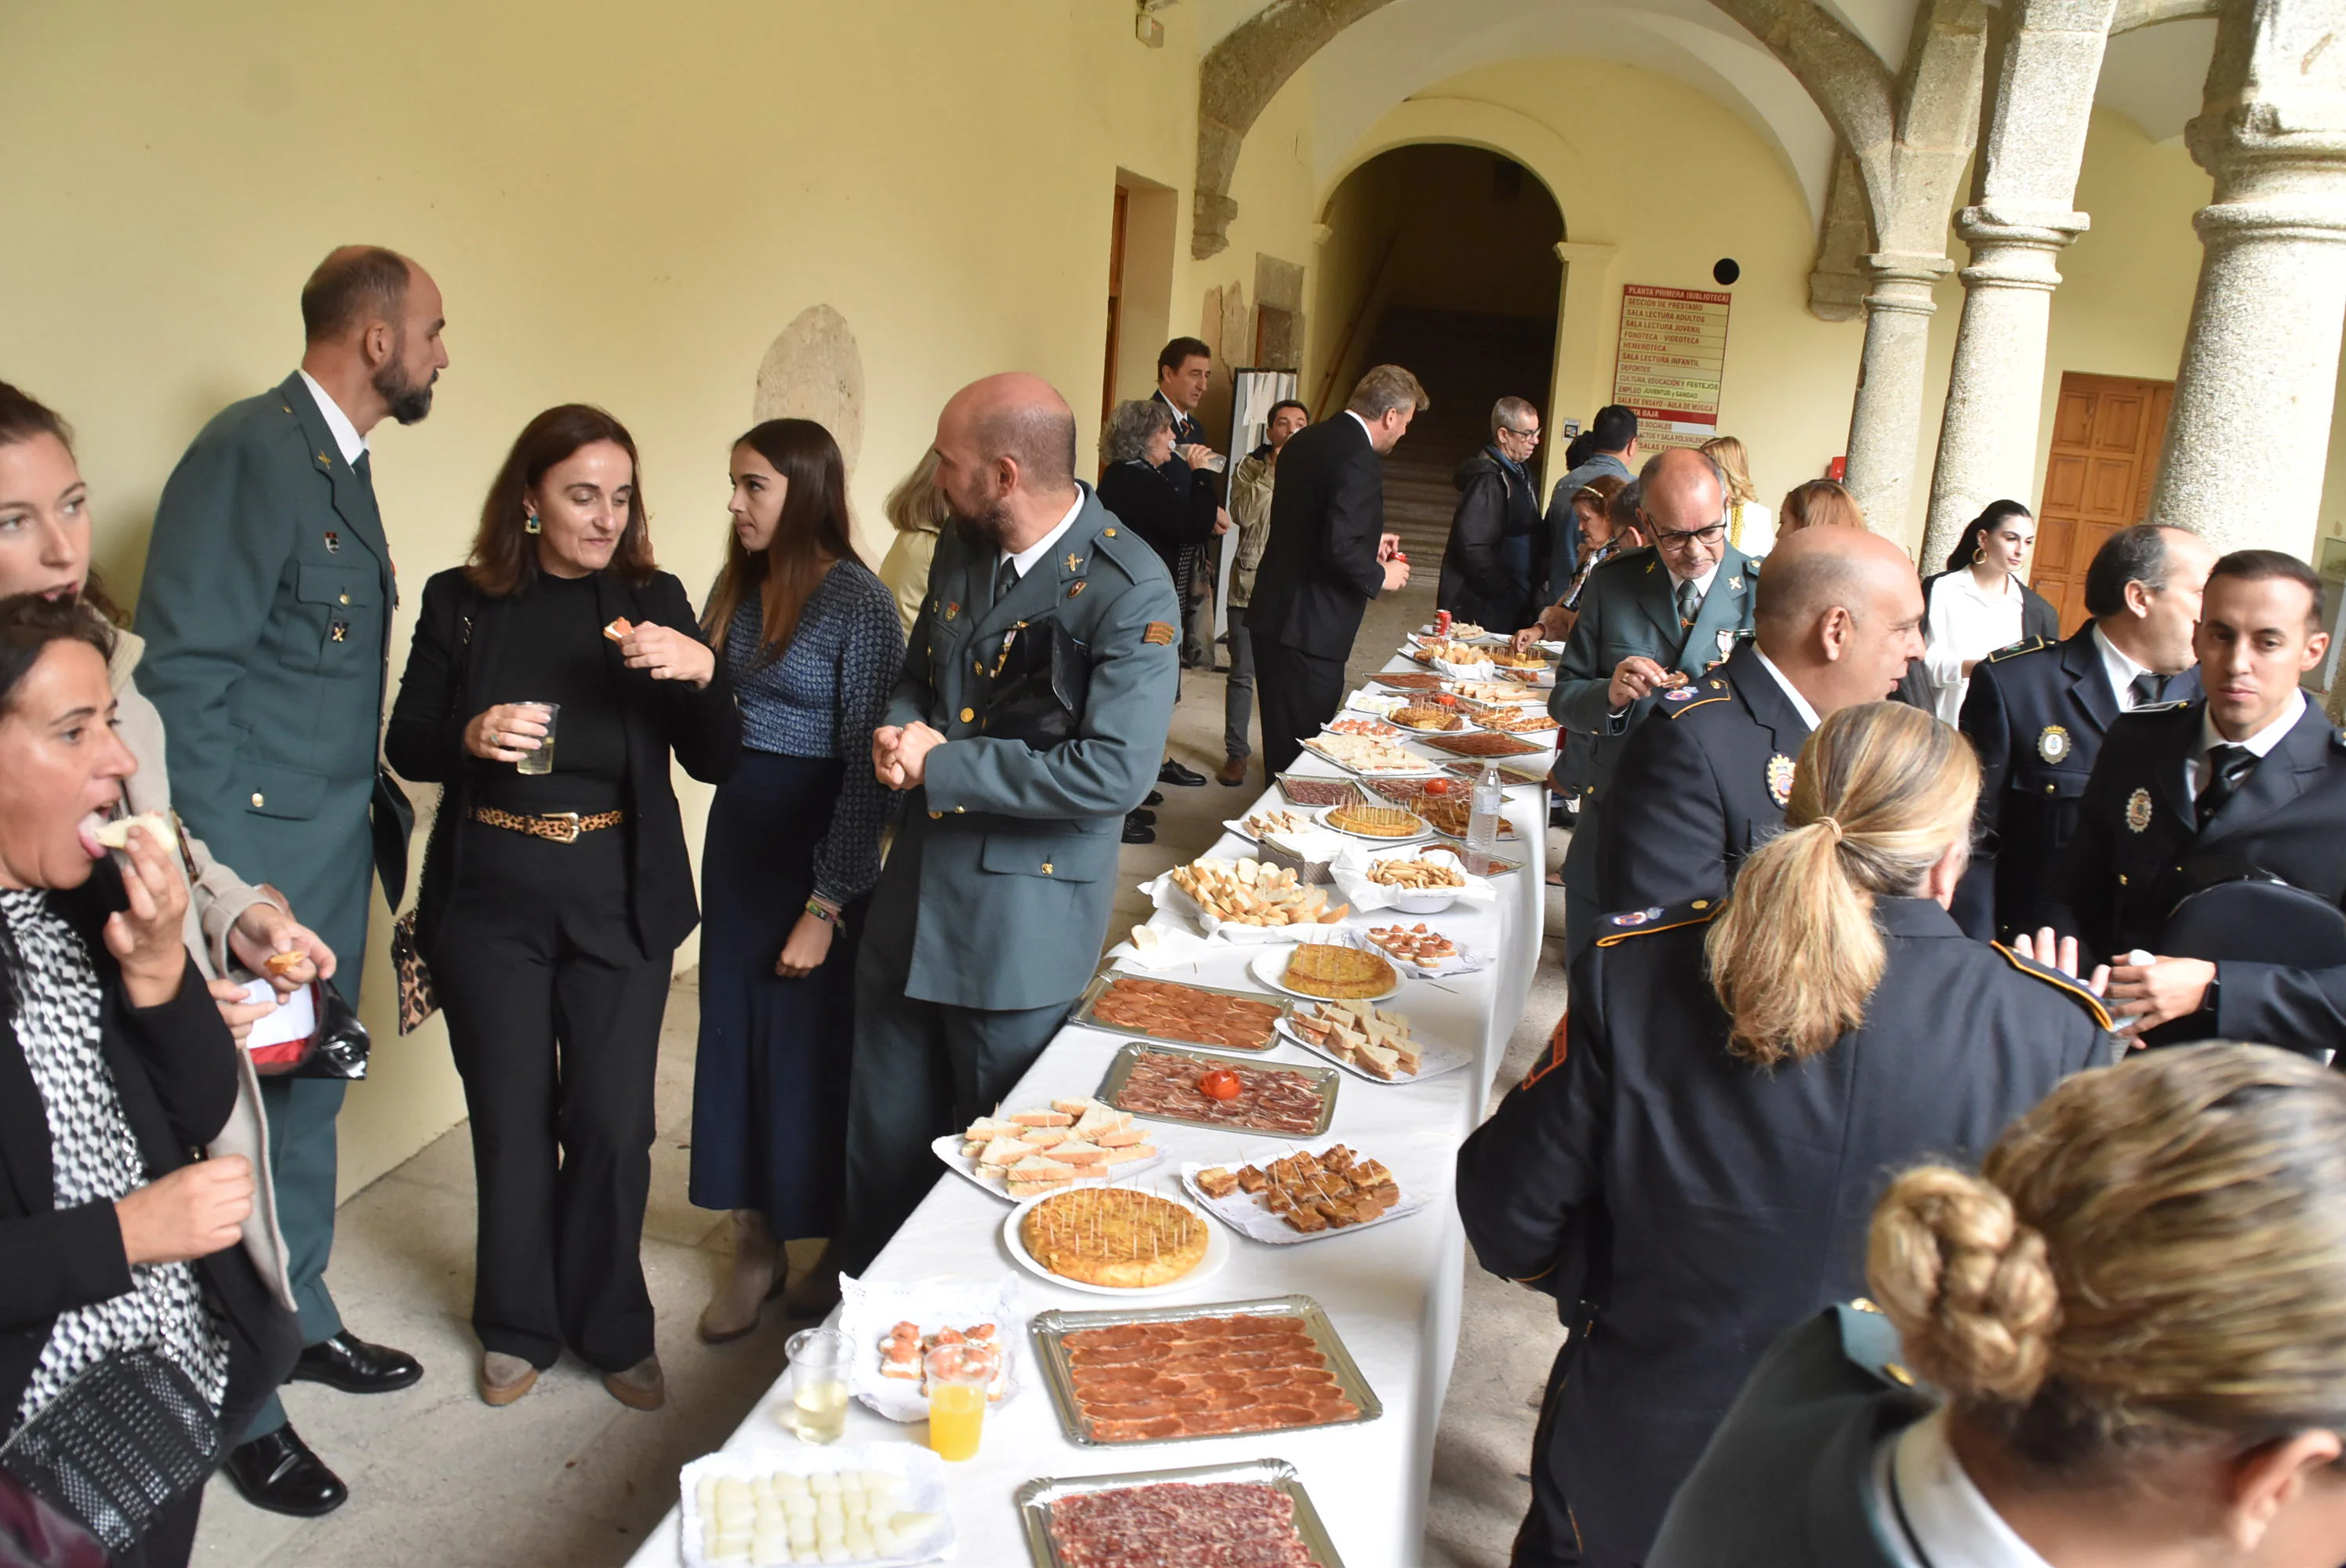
(542, 759)
(817, 1412)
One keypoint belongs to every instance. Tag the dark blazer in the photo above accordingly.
(2039, 623)
(1172, 514)
(266, 607)
(2036, 713)
(175, 1068)
(460, 633)
(2115, 882)
(1789, 1476)
(1496, 502)
(1320, 566)
(1701, 788)
(1703, 1205)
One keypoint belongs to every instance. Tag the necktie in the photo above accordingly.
(1689, 604)
(2228, 767)
(1005, 577)
(364, 469)
(2146, 688)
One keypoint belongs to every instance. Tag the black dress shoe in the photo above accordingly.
(1138, 833)
(348, 1363)
(1156, 798)
(278, 1471)
(1143, 816)
(1174, 773)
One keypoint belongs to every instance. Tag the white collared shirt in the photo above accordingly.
(1364, 427)
(1933, 1513)
(1042, 547)
(1967, 624)
(2262, 743)
(1799, 704)
(1701, 583)
(338, 423)
(2121, 670)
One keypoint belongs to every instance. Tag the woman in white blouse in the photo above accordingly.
(1750, 526)
(1979, 605)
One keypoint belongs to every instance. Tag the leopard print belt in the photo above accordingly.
(562, 827)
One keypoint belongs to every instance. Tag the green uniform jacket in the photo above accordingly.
(265, 608)
(1628, 607)
(1013, 852)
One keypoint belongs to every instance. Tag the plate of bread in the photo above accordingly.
(1068, 1143)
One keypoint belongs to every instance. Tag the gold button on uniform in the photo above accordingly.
(344, 598)
(967, 714)
(258, 800)
(1046, 868)
(1898, 1374)
(934, 815)
(1863, 1305)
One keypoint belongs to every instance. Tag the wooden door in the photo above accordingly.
(1115, 302)
(2107, 432)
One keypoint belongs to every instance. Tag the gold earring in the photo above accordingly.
(531, 526)
(1979, 551)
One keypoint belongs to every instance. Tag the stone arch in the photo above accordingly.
(2133, 14)
(1246, 68)
(1465, 122)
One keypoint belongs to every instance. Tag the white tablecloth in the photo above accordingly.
(1391, 1291)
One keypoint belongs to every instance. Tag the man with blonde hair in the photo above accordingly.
(1327, 556)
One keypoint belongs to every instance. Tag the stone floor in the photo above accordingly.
(569, 1477)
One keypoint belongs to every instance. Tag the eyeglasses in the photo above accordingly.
(1710, 535)
(1520, 435)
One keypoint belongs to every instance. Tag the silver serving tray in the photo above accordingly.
(1034, 1500)
(1345, 779)
(1120, 1073)
(1051, 1329)
(1084, 1015)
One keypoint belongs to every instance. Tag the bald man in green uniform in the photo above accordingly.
(266, 607)
(1030, 717)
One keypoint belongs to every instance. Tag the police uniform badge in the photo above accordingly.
(953, 609)
(1076, 587)
(1679, 694)
(1637, 917)
(2138, 810)
(1780, 779)
(2052, 743)
(333, 543)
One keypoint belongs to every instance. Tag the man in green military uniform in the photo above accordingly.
(265, 608)
(988, 919)
(1650, 620)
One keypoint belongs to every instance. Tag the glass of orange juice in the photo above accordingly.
(958, 1376)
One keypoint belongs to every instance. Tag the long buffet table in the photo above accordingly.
(1391, 1290)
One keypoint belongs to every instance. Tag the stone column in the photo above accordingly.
(1885, 424)
(2249, 435)
(2041, 100)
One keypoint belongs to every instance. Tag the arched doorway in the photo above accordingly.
(1441, 258)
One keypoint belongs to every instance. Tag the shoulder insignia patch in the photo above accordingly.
(2026, 644)
(2052, 743)
(1158, 633)
(1680, 696)
(1620, 928)
(2059, 981)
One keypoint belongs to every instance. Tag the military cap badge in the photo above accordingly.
(2052, 743)
(2138, 810)
(1780, 779)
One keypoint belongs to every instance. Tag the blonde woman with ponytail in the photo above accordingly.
(1690, 1172)
(2123, 1342)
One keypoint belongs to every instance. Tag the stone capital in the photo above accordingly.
(2014, 223)
(1902, 280)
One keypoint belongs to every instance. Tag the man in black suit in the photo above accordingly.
(1185, 369)
(2037, 713)
(1837, 617)
(1327, 556)
(2251, 772)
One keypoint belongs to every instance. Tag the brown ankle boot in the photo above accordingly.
(733, 1310)
(814, 1293)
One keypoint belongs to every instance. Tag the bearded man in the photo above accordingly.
(266, 610)
(1030, 717)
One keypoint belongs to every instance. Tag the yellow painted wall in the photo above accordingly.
(623, 203)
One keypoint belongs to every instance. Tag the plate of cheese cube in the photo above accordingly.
(1371, 1042)
(877, 1504)
(1026, 1153)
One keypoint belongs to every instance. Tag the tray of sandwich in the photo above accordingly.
(1043, 1148)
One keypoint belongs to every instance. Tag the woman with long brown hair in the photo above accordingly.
(2123, 1341)
(1688, 1170)
(810, 637)
(551, 677)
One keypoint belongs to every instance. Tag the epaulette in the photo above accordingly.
(1125, 548)
(1620, 928)
(1644, 553)
(1870, 1343)
(2075, 987)
(1694, 694)
(2010, 651)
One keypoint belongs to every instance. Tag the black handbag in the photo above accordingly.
(336, 1046)
(125, 1440)
(419, 999)
(1040, 682)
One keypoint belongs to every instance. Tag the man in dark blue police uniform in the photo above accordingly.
(2252, 773)
(1838, 615)
(2037, 713)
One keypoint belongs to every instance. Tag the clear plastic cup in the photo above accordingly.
(817, 1407)
(542, 759)
(958, 1375)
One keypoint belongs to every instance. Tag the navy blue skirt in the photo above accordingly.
(770, 1087)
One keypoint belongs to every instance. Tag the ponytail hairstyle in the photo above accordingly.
(2151, 1260)
(1974, 535)
(1882, 791)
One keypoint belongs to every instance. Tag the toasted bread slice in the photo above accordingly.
(1041, 1138)
(1077, 1152)
(1035, 1169)
(1043, 1118)
(1003, 1152)
(1130, 1153)
(1122, 1138)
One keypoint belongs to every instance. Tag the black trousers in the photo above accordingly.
(1548, 1536)
(1299, 694)
(554, 1017)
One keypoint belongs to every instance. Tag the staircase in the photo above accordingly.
(1467, 362)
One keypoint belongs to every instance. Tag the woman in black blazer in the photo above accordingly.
(1170, 507)
(554, 897)
(1695, 1171)
(115, 1066)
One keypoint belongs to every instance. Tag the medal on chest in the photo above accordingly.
(2138, 810)
(2052, 743)
(1780, 779)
